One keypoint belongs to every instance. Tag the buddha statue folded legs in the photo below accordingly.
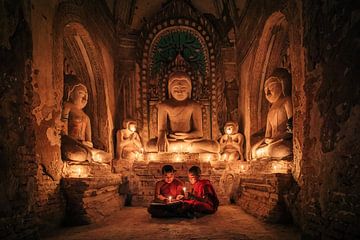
(180, 121)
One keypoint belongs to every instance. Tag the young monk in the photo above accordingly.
(203, 198)
(168, 190)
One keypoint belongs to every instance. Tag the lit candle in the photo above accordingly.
(170, 199)
(184, 189)
(79, 171)
(97, 157)
(275, 167)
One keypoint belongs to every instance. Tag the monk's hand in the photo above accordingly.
(268, 140)
(190, 196)
(179, 197)
(186, 195)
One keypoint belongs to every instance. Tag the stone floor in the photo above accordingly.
(230, 222)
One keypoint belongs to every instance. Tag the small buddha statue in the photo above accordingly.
(180, 121)
(76, 144)
(277, 143)
(232, 143)
(129, 144)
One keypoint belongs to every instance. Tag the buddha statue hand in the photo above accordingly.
(179, 135)
(162, 143)
(88, 144)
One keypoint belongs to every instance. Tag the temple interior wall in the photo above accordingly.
(322, 52)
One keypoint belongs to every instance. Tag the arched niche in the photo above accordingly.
(272, 53)
(169, 38)
(76, 53)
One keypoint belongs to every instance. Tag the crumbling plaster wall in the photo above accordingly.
(325, 67)
(31, 86)
(46, 110)
(329, 169)
(18, 162)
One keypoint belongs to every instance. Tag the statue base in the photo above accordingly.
(91, 199)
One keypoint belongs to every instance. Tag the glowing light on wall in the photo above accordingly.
(280, 167)
(77, 171)
(243, 167)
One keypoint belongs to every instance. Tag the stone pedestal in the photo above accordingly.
(91, 199)
(142, 175)
(262, 195)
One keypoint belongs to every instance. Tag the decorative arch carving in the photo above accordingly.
(178, 18)
(271, 53)
(70, 33)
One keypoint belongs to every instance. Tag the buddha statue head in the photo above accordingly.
(179, 86)
(273, 89)
(231, 128)
(78, 95)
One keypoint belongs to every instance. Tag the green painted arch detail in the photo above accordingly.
(178, 42)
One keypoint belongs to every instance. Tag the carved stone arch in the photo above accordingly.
(203, 72)
(72, 39)
(179, 17)
(271, 53)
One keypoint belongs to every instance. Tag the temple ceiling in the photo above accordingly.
(133, 12)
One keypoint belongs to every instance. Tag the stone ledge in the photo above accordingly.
(90, 200)
(262, 195)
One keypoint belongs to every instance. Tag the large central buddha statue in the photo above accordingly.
(180, 121)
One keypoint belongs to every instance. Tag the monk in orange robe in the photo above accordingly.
(202, 199)
(167, 191)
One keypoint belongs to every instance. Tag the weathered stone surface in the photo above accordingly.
(89, 200)
(143, 175)
(262, 195)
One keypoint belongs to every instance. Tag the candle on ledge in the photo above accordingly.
(79, 172)
(170, 199)
(184, 189)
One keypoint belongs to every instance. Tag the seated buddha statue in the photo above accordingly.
(76, 144)
(129, 144)
(232, 143)
(277, 143)
(180, 121)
